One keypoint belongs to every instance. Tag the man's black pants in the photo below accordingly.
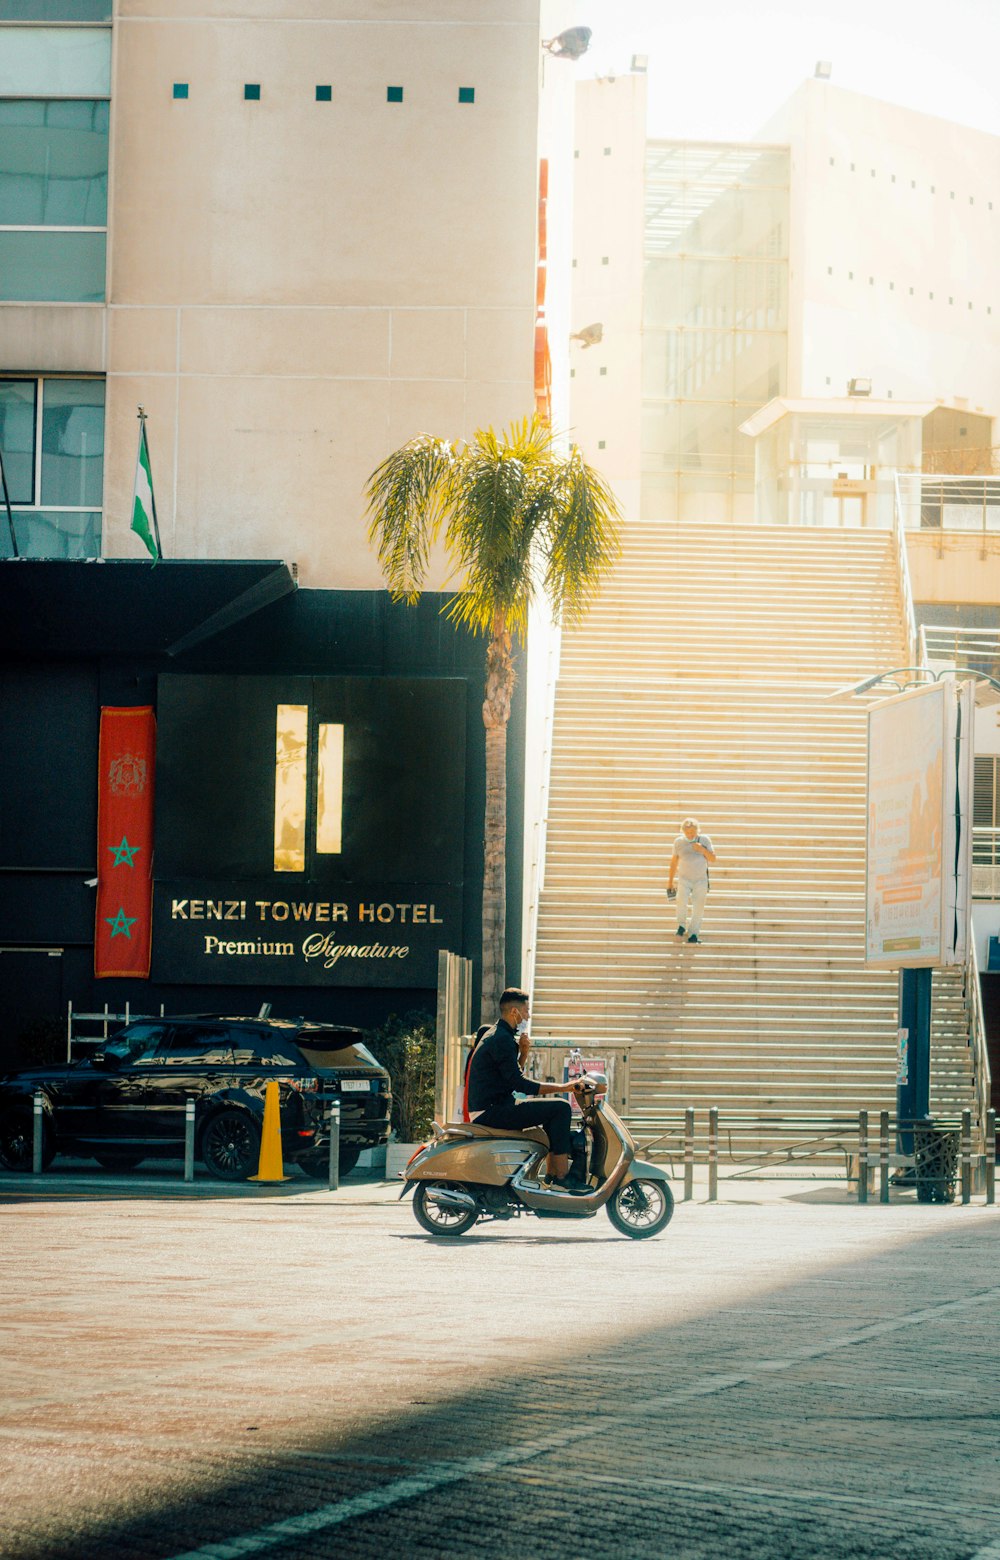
(553, 1116)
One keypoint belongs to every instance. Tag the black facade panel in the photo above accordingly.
(50, 700)
(48, 752)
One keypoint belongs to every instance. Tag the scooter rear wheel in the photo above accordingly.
(640, 1209)
(437, 1218)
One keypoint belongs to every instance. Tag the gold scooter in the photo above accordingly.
(469, 1172)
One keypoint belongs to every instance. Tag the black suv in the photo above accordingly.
(127, 1102)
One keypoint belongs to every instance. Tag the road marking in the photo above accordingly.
(439, 1475)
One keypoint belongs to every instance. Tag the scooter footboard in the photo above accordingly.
(641, 1170)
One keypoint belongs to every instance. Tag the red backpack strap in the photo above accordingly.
(483, 1028)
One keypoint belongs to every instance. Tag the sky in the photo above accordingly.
(718, 69)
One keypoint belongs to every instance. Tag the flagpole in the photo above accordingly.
(6, 499)
(152, 490)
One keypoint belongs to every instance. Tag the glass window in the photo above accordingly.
(17, 437)
(52, 533)
(53, 163)
(714, 316)
(73, 442)
(52, 438)
(52, 267)
(135, 1044)
(57, 10)
(197, 1045)
(49, 62)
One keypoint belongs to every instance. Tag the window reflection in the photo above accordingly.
(17, 437)
(290, 788)
(52, 267)
(73, 442)
(53, 163)
(330, 798)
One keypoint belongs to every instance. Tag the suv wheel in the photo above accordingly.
(16, 1144)
(230, 1145)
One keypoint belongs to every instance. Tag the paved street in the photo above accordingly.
(289, 1372)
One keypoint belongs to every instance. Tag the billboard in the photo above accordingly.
(919, 827)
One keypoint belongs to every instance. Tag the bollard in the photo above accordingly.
(37, 1128)
(966, 1157)
(883, 1156)
(862, 1156)
(713, 1154)
(688, 1155)
(991, 1153)
(334, 1175)
(189, 1141)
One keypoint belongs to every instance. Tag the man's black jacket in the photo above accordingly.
(494, 1073)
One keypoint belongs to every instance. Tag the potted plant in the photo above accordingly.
(407, 1047)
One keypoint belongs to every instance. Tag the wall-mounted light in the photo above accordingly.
(640, 63)
(824, 70)
(859, 387)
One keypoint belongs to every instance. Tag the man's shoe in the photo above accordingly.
(569, 1183)
(680, 931)
(694, 937)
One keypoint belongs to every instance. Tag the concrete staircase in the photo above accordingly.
(698, 684)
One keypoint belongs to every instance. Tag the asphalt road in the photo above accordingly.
(289, 1372)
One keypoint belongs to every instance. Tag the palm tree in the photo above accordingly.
(518, 517)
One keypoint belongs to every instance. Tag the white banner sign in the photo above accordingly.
(919, 827)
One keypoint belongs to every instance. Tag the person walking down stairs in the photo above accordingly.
(687, 879)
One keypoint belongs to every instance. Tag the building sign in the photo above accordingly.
(919, 822)
(310, 830)
(253, 934)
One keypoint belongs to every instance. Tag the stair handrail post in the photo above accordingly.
(903, 563)
(982, 1082)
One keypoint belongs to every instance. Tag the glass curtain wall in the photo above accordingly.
(715, 321)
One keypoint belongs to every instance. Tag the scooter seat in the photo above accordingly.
(472, 1129)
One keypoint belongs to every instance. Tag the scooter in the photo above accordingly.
(469, 1172)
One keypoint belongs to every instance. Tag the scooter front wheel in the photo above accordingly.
(641, 1208)
(436, 1216)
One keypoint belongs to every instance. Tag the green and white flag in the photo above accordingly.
(143, 505)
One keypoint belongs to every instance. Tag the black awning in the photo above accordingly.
(53, 607)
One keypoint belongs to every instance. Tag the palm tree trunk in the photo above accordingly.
(496, 714)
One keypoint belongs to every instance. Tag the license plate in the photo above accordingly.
(355, 1086)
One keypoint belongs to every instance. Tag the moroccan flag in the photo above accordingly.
(125, 774)
(143, 504)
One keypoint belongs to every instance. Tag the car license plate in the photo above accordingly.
(355, 1085)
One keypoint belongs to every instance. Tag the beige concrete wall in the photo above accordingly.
(67, 338)
(606, 387)
(297, 287)
(951, 566)
(895, 219)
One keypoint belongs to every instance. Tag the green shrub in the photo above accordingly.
(406, 1046)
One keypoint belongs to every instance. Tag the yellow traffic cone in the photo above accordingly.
(269, 1166)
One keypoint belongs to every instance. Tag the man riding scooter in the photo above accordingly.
(495, 1076)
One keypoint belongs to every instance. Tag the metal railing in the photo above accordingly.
(979, 1051)
(747, 1145)
(932, 502)
(966, 649)
(914, 636)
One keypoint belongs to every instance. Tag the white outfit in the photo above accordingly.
(692, 881)
(691, 903)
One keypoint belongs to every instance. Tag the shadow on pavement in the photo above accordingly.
(846, 1415)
